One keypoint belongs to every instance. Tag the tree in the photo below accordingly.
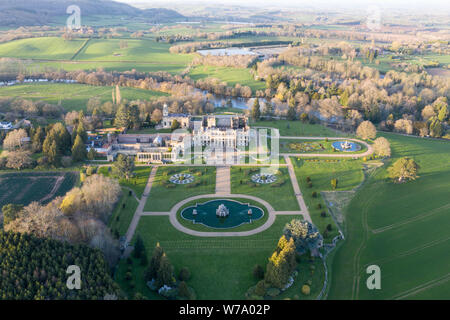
(334, 183)
(256, 112)
(139, 247)
(157, 116)
(92, 154)
(14, 139)
(121, 120)
(38, 139)
(19, 159)
(382, 147)
(258, 272)
(133, 117)
(185, 274)
(118, 95)
(404, 169)
(123, 167)
(51, 152)
(366, 130)
(291, 113)
(183, 290)
(165, 272)
(281, 264)
(155, 261)
(268, 109)
(175, 125)
(79, 152)
(82, 132)
(11, 212)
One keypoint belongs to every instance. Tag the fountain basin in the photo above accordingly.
(206, 213)
(346, 146)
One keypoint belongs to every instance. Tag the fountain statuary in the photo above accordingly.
(222, 211)
(250, 212)
(346, 145)
(194, 212)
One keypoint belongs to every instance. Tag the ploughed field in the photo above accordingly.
(26, 187)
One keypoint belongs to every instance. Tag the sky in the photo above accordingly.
(320, 4)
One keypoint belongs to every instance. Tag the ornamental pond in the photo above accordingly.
(222, 213)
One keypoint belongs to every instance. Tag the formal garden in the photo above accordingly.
(278, 193)
(167, 189)
(322, 146)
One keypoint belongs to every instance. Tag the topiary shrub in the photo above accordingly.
(319, 206)
(273, 292)
(323, 214)
(306, 290)
(258, 272)
(314, 194)
(185, 274)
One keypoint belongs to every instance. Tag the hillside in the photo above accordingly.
(40, 12)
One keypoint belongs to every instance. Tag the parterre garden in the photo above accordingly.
(279, 194)
(165, 194)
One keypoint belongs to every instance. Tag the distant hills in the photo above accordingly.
(15, 13)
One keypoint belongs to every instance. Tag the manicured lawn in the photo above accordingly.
(402, 228)
(298, 128)
(139, 181)
(282, 198)
(163, 198)
(121, 217)
(73, 96)
(348, 173)
(244, 227)
(231, 76)
(221, 268)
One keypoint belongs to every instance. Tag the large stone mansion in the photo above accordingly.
(226, 131)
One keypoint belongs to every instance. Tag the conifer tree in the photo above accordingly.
(79, 152)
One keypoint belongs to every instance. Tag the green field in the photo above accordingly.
(162, 198)
(221, 267)
(231, 76)
(402, 228)
(281, 198)
(50, 48)
(26, 187)
(73, 96)
(349, 174)
(298, 128)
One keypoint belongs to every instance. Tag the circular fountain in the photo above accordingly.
(346, 146)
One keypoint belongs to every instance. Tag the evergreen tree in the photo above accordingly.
(92, 154)
(82, 132)
(121, 120)
(124, 166)
(291, 114)
(256, 112)
(155, 261)
(165, 272)
(133, 117)
(139, 247)
(79, 152)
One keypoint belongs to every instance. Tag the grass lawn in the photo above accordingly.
(243, 227)
(313, 146)
(139, 181)
(121, 218)
(348, 173)
(298, 128)
(402, 228)
(148, 131)
(230, 75)
(282, 198)
(221, 268)
(163, 198)
(73, 96)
